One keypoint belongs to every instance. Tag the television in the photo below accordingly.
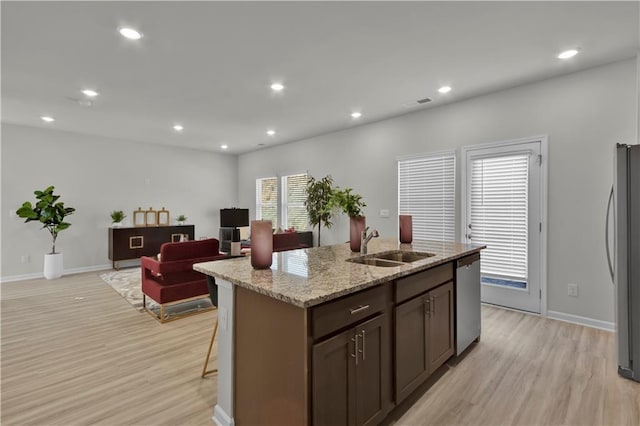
(234, 218)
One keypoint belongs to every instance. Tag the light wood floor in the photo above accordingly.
(75, 353)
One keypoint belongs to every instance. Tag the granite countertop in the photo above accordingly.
(308, 277)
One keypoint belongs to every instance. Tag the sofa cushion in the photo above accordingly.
(189, 249)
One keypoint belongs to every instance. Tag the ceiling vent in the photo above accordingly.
(423, 101)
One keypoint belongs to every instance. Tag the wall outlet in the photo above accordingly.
(13, 214)
(572, 290)
(384, 213)
(24, 259)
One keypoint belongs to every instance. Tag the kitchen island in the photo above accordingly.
(327, 337)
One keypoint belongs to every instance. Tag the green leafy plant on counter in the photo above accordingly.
(350, 203)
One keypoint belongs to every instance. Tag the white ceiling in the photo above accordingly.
(209, 65)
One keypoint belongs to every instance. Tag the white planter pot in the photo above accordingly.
(117, 225)
(53, 266)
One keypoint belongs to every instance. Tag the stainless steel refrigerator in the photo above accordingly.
(624, 256)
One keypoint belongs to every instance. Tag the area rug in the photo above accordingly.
(127, 284)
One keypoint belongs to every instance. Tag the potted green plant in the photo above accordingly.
(181, 219)
(117, 216)
(352, 205)
(50, 213)
(318, 202)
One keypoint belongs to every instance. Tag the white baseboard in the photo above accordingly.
(221, 418)
(36, 275)
(576, 319)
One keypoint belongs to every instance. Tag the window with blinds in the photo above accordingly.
(499, 214)
(267, 200)
(283, 206)
(294, 212)
(426, 191)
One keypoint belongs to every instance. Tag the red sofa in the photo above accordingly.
(171, 279)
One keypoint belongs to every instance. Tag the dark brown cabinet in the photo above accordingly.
(423, 337)
(351, 375)
(134, 242)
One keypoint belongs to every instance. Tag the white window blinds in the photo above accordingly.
(499, 213)
(294, 212)
(267, 200)
(426, 191)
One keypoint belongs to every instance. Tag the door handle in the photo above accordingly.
(606, 234)
(355, 351)
(364, 347)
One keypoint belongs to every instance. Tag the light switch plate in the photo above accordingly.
(384, 213)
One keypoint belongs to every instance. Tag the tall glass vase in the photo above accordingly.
(356, 226)
(406, 228)
(261, 244)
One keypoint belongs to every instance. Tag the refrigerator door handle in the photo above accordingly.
(606, 235)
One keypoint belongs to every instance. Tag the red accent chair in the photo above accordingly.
(287, 241)
(171, 279)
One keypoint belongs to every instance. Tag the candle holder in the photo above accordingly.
(261, 244)
(406, 228)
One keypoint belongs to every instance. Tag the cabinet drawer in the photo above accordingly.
(343, 312)
(408, 287)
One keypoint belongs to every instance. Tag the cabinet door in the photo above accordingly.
(372, 370)
(440, 344)
(333, 378)
(411, 345)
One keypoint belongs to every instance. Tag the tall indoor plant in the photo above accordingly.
(318, 203)
(351, 204)
(50, 213)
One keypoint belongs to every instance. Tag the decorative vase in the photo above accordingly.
(261, 244)
(406, 228)
(53, 266)
(116, 224)
(356, 226)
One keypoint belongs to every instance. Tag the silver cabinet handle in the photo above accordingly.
(433, 304)
(358, 309)
(606, 235)
(355, 351)
(364, 347)
(427, 304)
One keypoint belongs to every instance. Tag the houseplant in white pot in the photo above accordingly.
(117, 216)
(50, 213)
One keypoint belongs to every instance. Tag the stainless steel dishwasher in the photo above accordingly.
(467, 301)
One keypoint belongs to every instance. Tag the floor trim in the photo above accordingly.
(71, 271)
(576, 319)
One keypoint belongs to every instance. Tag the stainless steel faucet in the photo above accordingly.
(364, 239)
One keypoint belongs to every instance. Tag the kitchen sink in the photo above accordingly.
(390, 259)
(404, 256)
(372, 261)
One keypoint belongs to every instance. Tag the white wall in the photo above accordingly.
(583, 114)
(97, 175)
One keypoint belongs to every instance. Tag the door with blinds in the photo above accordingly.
(503, 210)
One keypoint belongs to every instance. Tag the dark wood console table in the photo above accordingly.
(134, 242)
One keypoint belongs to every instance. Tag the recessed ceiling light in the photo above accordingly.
(130, 33)
(90, 93)
(276, 87)
(225, 146)
(271, 132)
(356, 114)
(444, 89)
(47, 118)
(567, 54)
(178, 128)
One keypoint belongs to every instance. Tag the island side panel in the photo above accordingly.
(271, 361)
